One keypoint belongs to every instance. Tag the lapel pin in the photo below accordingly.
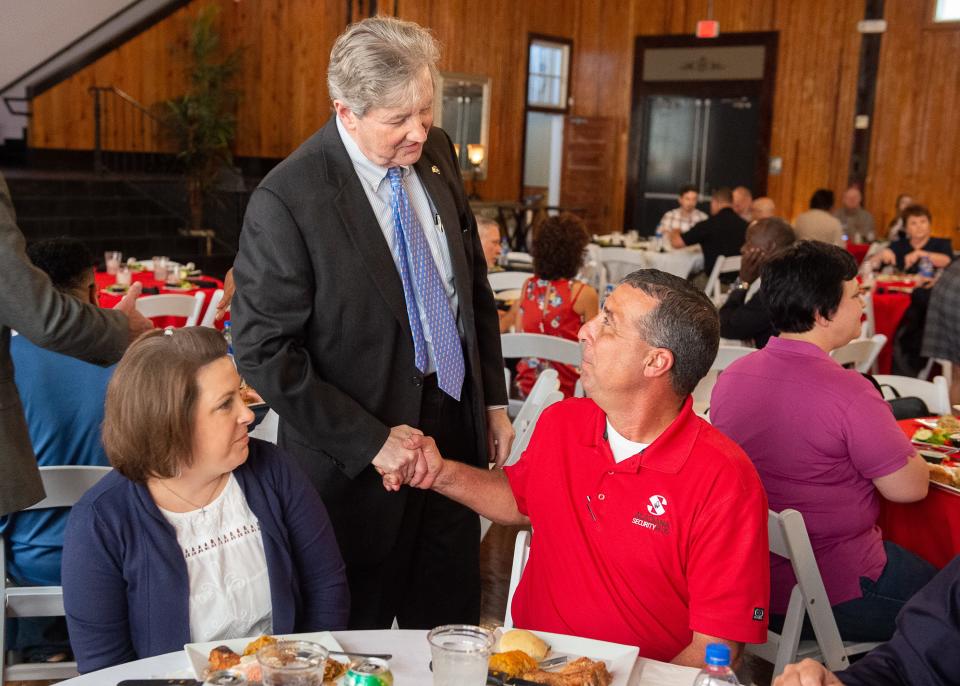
(435, 169)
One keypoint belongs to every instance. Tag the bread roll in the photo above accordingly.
(521, 639)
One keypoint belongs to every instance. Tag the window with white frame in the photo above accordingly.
(947, 10)
(548, 74)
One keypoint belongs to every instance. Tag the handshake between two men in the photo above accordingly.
(408, 457)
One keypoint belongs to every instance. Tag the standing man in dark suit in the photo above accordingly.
(722, 235)
(31, 305)
(363, 316)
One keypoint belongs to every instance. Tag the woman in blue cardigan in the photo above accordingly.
(201, 533)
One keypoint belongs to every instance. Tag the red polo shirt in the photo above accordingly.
(671, 541)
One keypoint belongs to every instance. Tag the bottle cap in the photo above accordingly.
(718, 655)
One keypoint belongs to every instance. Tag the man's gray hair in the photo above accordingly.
(486, 223)
(684, 322)
(377, 62)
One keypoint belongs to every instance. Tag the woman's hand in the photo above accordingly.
(912, 258)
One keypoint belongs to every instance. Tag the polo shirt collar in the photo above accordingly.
(371, 175)
(667, 453)
(791, 346)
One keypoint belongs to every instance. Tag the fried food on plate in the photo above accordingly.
(513, 663)
(222, 657)
(580, 672)
(256, 645)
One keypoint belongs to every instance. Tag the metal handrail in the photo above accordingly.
(8, 100)
(126, 96)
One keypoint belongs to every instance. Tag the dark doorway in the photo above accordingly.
(701, 115)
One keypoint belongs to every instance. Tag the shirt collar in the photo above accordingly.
(372, 175)
(795, 347)
(667, 453)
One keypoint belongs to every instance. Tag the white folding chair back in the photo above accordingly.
(503, 281)
(172, 305)
(861, 352)
(726, 355)
(935, 394)
(723, 265)
(869, 326)
(521, 553)
(945, 365)
(552, 348)
(210, 316)
(618, 262)
(63, 485)
(593, 271)
(789, 539)
(266, 430)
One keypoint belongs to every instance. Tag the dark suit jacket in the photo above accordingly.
(744, 319)
(35, 309)
(320, 326)
(722, 234)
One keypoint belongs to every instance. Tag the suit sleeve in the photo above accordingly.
(94, 593)
(36, 310)
(741, 319)
(274, 301)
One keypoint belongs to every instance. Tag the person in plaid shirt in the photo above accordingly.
(685, 216)
(941, 335)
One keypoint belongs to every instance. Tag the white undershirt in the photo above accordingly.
(226, 567)
(621, 447)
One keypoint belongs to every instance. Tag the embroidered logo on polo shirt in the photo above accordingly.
(758, 614)
(657, 506)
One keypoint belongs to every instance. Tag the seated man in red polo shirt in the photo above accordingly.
(650, 526)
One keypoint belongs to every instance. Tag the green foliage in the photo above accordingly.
(201, 123)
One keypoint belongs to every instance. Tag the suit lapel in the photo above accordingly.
(442, 199)
(362, 227)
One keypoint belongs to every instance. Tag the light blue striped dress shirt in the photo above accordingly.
(373, 178)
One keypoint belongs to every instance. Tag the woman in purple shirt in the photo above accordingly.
(824, 442)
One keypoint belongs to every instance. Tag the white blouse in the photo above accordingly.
(226, 567)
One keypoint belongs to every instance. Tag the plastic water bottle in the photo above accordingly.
(228, 337)
(658, 241)
(717, 670)
(925, 267)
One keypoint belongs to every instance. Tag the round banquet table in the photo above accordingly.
(108, 300)
(930, 527)
(680, 262)
(411, 656)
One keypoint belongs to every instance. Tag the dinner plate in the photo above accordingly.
(179, 289)
(508, 295)
(198, 653)
(619, 658)
(945, 487)
(929, 423)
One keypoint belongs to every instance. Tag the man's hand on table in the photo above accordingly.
(396, 462)
(500, 435)
(807, 673)
(137, 324)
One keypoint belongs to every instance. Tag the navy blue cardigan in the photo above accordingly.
(125, 586)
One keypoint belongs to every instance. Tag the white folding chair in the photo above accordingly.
(504, 281)
(552, 348)
(172, 305)
(789, 539)
(521, 553)
(593, 271)
(726, 355)
(522, 257)
(545, 392)
(63, 485)
(723, 265)
(935, 394)
(869, 326)
(618, 262)
(266, 430)
(861, 353)
(209, 317)
(945, 365)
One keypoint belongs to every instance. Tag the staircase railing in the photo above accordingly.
(132, 142)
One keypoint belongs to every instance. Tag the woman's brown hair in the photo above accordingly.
(149, 415)
(558, 247)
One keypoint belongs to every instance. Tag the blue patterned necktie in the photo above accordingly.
(413, 254)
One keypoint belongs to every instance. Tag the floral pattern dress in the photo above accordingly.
(546, 307)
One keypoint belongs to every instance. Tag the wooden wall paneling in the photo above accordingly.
(915, 137)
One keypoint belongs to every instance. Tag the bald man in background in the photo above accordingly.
(763, 208)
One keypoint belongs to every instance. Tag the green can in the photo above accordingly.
(370, 671)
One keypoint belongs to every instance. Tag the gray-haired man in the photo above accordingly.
(363, 316)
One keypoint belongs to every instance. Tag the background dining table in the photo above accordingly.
(108, 299)
(929, 527)
(410, 662)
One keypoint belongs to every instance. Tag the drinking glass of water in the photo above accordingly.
(292, 663)
(460, 654)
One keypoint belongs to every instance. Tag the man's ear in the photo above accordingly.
(346, 115)
(658, 363)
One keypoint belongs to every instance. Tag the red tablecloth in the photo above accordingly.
(888, 310)
(858, 250)
(146, 278)
(931, 527)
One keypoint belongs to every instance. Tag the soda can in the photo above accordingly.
(370, 671)
(225, 677)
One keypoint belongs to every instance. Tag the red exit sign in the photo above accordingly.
(708, 28)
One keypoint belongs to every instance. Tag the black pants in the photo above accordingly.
(431, 576)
